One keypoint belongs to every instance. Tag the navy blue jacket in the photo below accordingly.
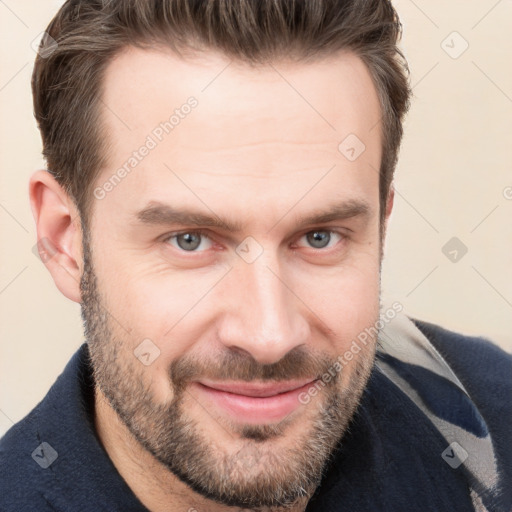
(390, 459)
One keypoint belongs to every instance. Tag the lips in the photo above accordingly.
(256, 390)
(250, 402)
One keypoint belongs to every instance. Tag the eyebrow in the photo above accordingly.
(157, 213)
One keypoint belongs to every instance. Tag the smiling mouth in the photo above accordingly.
(256, 390)
(254, 403)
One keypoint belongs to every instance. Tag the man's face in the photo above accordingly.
(173, 309)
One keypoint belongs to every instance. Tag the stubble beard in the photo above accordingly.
(258, 475)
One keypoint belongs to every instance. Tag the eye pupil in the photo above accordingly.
(319, 239)
(192, 241)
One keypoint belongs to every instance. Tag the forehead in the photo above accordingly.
(251, 129)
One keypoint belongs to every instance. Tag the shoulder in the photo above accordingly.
(52, 460)
(22, 455)
(32, 449)
(485, 370)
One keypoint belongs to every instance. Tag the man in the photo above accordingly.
(218, 191)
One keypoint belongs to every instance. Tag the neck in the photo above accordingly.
(153, 484)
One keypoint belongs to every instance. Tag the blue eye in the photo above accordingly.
(188, 241)
(197, 241)
(320, 239)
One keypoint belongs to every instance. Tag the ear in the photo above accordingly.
(59, 234)
(389, 209)
(389, 203)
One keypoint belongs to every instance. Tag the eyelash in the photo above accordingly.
(204, 234)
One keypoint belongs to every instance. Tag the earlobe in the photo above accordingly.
(58, 232)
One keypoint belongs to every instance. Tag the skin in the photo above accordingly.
(261, 151)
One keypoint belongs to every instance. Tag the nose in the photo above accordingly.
(263, 316)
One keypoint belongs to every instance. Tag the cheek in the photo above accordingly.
(146, 291)
(169, 308)
(346, 298)
(351, 310)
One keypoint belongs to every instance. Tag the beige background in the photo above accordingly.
(454, 179)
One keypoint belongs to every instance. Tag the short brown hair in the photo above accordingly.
(67, 79)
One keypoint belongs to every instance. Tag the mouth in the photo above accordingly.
(254, 402)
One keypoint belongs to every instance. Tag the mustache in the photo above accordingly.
(300, 363)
